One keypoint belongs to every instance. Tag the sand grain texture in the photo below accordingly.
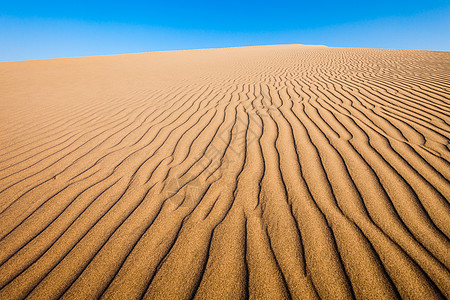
(289, 171)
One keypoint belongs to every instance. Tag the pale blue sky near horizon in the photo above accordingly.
(53, 29)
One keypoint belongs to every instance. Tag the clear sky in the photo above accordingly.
(50, 29)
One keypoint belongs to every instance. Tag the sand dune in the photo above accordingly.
(288, 171)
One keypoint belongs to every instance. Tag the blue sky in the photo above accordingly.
(51, 29)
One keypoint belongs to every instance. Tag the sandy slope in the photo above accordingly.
(262, 172)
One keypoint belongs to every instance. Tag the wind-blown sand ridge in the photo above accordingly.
(286, 171)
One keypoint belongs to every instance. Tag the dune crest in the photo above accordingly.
(259, 172)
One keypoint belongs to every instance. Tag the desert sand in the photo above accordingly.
(272, 172)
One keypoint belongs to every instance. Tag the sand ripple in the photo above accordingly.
(260, 172)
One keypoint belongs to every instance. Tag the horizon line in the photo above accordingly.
(213, 48)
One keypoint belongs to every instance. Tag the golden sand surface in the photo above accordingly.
(269, 172)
